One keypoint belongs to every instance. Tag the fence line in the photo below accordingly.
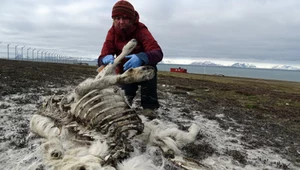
(17, 52)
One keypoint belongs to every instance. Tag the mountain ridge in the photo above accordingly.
(237, 65)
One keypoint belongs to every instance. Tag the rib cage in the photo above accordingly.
(108, 112)
(103, 113)
(96, 109)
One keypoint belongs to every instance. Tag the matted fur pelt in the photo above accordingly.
(94, 127)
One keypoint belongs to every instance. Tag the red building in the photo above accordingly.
(179, 70)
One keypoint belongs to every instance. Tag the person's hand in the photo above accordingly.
(135, 60)
(108, 59)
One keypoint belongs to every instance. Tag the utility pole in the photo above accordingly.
(45, 56)
(33, 53)
(27, 53)
(42, 55)
(16, 52)
(37, 54)
(8, 51)
(52, 57)
(22, 48)
(0, 43)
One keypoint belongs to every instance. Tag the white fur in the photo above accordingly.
(64, 151)
(99, 148)
(44, 126)
(167, 136)
(141, 162)
(74, 157)
(156, 133)
(53, 149)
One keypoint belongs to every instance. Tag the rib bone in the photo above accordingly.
(97, 109)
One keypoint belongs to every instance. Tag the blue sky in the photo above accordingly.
(260, 32)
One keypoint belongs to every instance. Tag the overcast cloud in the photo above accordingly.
(222, 31)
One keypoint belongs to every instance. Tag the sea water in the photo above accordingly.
(272, 74)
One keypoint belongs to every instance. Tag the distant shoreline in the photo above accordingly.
(183, 65)
(258, 73)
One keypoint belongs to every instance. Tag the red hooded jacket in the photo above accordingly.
(117, 38)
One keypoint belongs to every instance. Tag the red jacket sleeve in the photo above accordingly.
(151, 47)
(108, 47)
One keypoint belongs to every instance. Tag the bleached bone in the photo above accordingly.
(110, 68)
(107, 111)
(97, 110)
(90, 84)
(132, 75)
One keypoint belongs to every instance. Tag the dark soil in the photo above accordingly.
(268, 112)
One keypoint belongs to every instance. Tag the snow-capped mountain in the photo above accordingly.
(205, 63)
(238, 65)
(285, 67)
(243, 65)
(166, 62)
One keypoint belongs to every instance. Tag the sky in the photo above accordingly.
(259, 32)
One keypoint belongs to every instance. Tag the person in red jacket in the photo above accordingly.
(126, 26)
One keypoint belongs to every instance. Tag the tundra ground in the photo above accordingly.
(246, 122)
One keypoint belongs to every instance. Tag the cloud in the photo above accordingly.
(244, 30)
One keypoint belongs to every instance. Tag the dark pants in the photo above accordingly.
(148, 92)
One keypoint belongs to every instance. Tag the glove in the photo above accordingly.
(108, 59)
(136, 60)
